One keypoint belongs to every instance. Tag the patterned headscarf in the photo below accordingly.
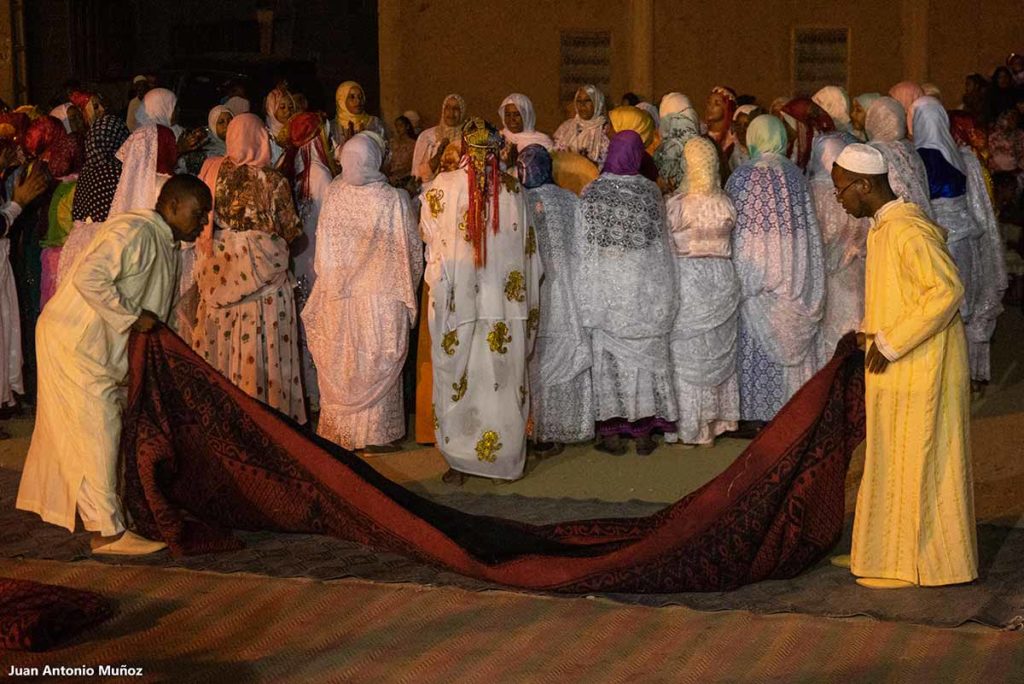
(886, 121)
(98, 180)
(702, 167)
(308, 135)
(41, 135)
(967, 132)
(534, 167)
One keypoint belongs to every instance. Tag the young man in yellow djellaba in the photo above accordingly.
(914, 524)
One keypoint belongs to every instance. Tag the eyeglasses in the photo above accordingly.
(840, 193)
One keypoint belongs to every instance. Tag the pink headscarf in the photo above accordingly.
(247, 145)
(906, 92)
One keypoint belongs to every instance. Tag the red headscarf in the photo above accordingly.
(66, 155)
(41, 135)
(968, 133)
(810, 119)
(80, 98)
(305, 128)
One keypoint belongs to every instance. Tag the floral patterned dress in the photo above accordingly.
(247, 325)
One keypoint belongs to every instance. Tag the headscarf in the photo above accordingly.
(414, 119)
(766, 135)
(60, 113)
(653, 112)
(215, 146)
(597, 97)
(150, 150)
(65, 156)
(274, 98)
(342, 116)
(529, 135)
(625, 152)
(824, 152)
(886, 121)
(98, 180)
(703, 167)
(237, 105)
(836, 103)
(865, 100)
(931, 131)
(247, 145)
(630, 118)
(744, 109)
(157, 108)
(534, 167)
(481, 144)
(41, 135)
(799, 110)
(452, 133)
(906, 92)
(308, 135)
(677, 115)
(361, 158)
(966, 131)
(932, 90)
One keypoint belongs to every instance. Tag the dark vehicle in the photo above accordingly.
(201, 81)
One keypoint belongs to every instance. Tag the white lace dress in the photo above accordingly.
(627, 296)
(561, 395)
(357, 319)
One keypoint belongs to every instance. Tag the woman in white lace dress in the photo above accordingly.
(368, 265)
(627, 296)
(703, 340)
(561, 395)
(844, 239)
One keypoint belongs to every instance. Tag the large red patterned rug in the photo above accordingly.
(202, 458)
(36, 617)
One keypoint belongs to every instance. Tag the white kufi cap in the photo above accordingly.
(861, 158)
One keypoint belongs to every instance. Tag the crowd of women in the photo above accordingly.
(697, 270)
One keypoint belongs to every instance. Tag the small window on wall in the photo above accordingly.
(586, 58)
(820, 58)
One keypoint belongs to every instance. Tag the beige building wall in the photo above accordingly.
(489, 48)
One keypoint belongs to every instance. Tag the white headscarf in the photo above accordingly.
(836, 103)
(361, 158)
(529, 135)
(931, 130)
(60, 112)
(139, 184)
(676, 104)
(653, 111)
(237, 105)
(597, 97)
(157, 108)
(216, 146)
(452, 133)
(886, 121)
(743, 109)
(270, 107)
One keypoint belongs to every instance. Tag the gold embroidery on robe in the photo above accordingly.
(531, 241)
(435, 200)
(460, 388)
(499, 337)
(522, 396)
(515, 287)
(488, 446)
(463, 224)
(433, 413)
(533, 320)
(450, 342)
(510, 182)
